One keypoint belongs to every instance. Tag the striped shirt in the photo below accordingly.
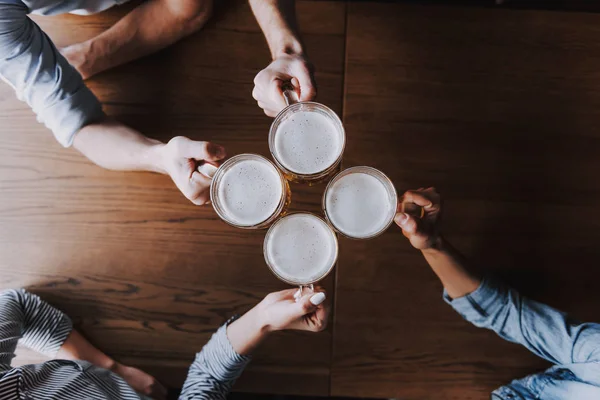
(25, 317)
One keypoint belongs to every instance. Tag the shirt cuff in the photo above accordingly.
(68, 115)
(219, 356)
(479, 303)
(61, 333)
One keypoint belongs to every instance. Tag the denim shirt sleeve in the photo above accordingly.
(41, 76)
(546, 332)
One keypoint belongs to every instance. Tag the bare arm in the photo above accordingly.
(151, 26)
(451, 268)
(225, 356)
(543, 330)
(112, 145)
(277, 20)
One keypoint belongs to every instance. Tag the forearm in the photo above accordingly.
(246, 333)
(153, 25)
(76, 347)
(115, 146)
(215, 368)
(277, 19)
(450, 267)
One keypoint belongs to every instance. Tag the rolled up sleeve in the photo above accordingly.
(545, 331)
(42, 77)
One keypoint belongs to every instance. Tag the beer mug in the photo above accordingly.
(306, 140)
(361, 202)
(300, 249)
(248, 191)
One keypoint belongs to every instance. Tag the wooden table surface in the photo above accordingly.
(499, 109)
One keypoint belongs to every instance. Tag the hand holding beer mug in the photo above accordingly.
(421, 231)
(301, 249)
(306, 140)
(249, 192)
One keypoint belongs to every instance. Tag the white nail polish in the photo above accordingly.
(317, 298)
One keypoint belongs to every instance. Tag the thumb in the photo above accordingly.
(203, 151)
(401, 219)
(309, 303)
(407, 223)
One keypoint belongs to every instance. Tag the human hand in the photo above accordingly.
(78, 56)
(140, 381)
(280, 311)
(287, 67)
(422, 232)
(181, 158)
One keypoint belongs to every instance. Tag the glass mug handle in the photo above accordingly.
(300, 292)
(411, 209)
(289, 93)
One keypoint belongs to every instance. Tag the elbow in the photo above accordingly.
(192, 15)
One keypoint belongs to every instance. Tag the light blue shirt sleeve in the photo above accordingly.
(546, 332)
(215, 369)
(42, 77)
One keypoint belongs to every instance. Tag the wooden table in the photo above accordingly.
(499, 109)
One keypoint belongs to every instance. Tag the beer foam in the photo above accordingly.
(358, 205)
(250, 192)
(301, 248)
(307, 142)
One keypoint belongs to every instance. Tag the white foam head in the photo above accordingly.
(360, 204)
(300, 248)
(308, 142)
(249, 190)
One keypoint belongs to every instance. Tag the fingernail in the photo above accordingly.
(217, 151)
(401, 218)
(317, 298)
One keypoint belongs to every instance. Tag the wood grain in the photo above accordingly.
(499, 109)
(147, 275)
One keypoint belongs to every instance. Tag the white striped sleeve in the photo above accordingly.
(24, 316)
(214, 370)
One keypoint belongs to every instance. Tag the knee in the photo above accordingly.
(193, 14)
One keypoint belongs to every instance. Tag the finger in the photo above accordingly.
(268, 111)
(420, 198)
(199, 188)
(408, 224)
(400, 218)
(308, 303)
(199, 150)
(306, 81)
(277, 101)
(434, 196)
(322, 315)
(287, 294)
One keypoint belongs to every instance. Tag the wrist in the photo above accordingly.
(436, 245)
(260, 317)
(155, 157)
(291, 47)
